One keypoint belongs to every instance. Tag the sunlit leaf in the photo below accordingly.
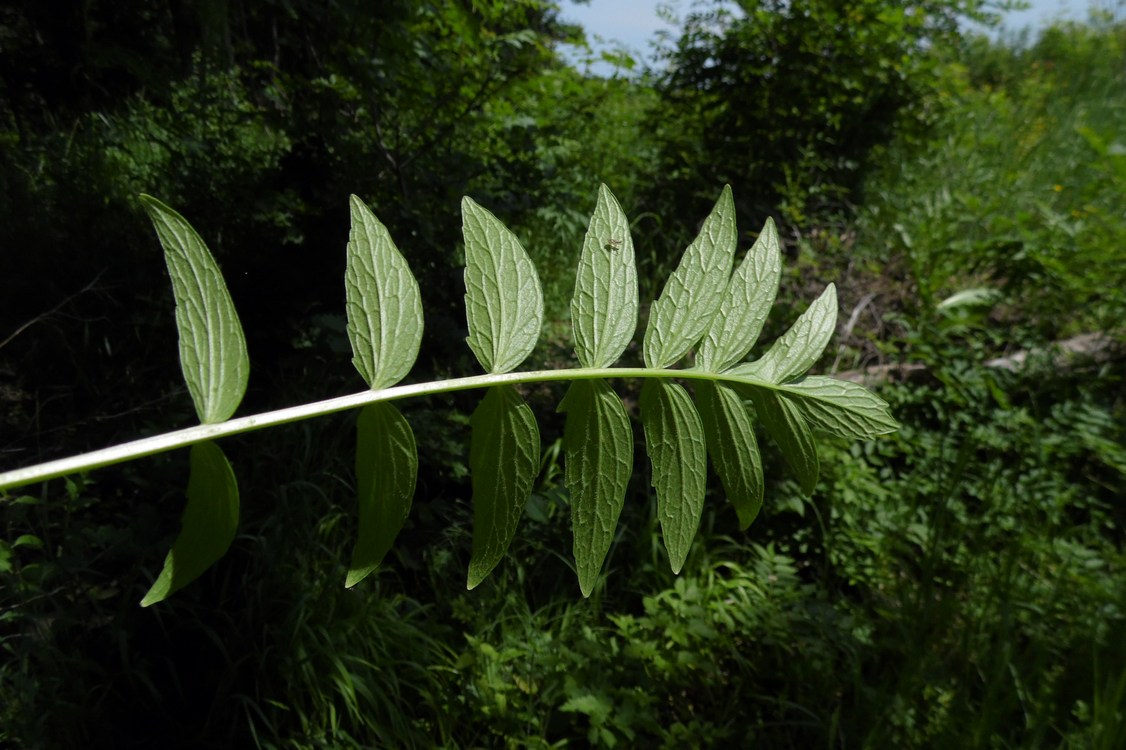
(784, 422)
(503, 299)
(604, 306)
(799, 348)
(504, 456)
(683, 312)
(674, 437)
(384, 305)
(745, 305)
(386, 468)
(212, 346)
(841, 408)
(732, 447)
(209, 522)
(598, 445)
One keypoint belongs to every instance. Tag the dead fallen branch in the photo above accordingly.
(1084, 349)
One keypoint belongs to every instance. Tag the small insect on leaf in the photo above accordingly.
(604, 305)
(613, 245)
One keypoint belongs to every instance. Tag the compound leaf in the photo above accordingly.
(841, 408)
(604, 307)
(209, 522)
(504, 456)
(212, 346)
(797, 349)
(785, 424)
(674, 436)
(746, 301)
(383, 302)
(598, 446)
(386, 469)
(732, 447)
(503, 299)
(683, 312)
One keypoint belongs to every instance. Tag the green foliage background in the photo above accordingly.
(961, 583)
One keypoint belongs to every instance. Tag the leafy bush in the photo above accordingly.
(787, 99)
(962, 587)
(1018, 192)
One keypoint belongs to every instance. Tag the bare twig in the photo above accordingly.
(44, 316)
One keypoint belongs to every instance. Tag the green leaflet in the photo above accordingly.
(799, 348)
(732, 447)
(841, 408)
(504, 457)
(604, 307)
(384, 306)
(209, 522)
(386, 468)
(503, 300)
(385, 328)
(598, 444)
(212, 346)
(746, 301)
(785, 424)
(675, 439)
(683, 312)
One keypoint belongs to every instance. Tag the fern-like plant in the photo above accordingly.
(708, 306)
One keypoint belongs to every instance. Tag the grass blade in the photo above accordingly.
(209, 523)
(732, 447)
(386, 469)
(841, 408)
(604, 307)
(503, 299)
(383, 302)
(746, 302)
(683, 312)
(598, 445)
(674, 436)
(504, 457)
(801, 346)
(212, 346)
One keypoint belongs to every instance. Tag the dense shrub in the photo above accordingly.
(786, 100)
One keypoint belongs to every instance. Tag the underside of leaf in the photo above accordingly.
(386, 468)
(503, 298)
(212, 346)
(209, 524)
(598, 445)
(674, 436)
(384, 304)
(692, 294)
(841, 408)
(504, 456)
(604, 306)
(801, 346)
(732, 447)
(789, 430)
(745, 304)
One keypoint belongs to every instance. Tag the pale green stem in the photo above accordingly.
(180, 438)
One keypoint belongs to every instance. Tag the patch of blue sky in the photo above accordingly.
(633, 26)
